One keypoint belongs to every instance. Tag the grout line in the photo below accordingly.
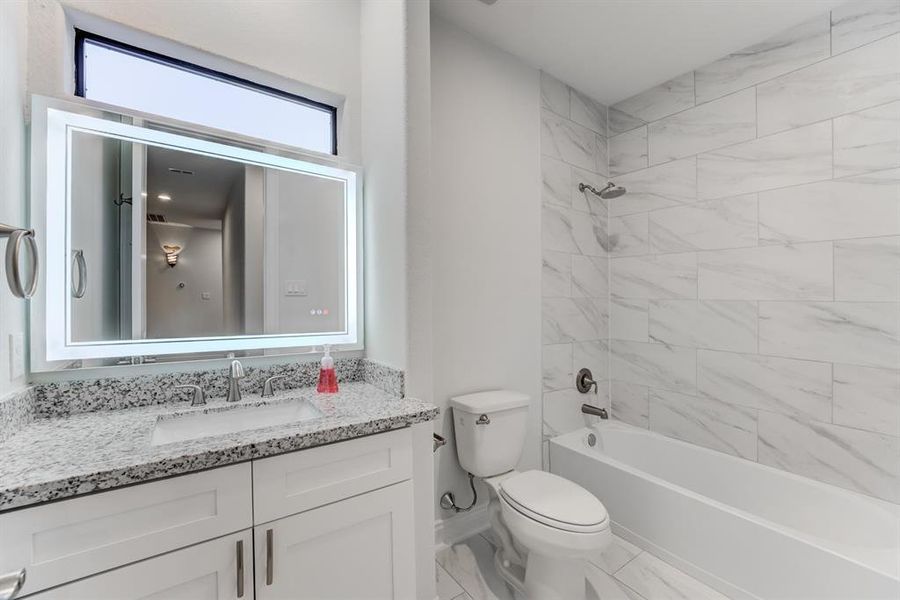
(629, 561)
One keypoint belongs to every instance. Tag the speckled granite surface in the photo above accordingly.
(16, 411)
(55, 458)
(65, 398)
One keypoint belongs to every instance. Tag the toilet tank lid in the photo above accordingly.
(488, 402)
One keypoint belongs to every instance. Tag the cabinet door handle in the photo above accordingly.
(239, 548)
(270, 567)
(11, 583)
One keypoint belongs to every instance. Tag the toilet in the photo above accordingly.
(557, 522)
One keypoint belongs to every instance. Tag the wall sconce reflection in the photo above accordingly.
(172, 238)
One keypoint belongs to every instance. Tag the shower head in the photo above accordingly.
(610, 191)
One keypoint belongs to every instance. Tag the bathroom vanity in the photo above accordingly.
(99, 505)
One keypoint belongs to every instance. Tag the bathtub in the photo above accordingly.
(746, 529)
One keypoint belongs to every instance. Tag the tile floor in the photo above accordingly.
(465, 571)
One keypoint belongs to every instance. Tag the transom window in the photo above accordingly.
(122, 75)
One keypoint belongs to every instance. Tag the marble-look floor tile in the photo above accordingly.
(782, 385)
(867, 269)
(574, 319)
(554, 95)
(661, 276)
(630, 404)
(798, 272)
(656, 580)
(867, 398)
(628, 152)
(789, 50)
(868, 140)
(629, 319)
(801, 155)
(662, 100)
(587, 112)
(556, 366)
(567, 141)
(447, 588)
(590, 276)
(713, 324)
(562, 409)
(556, 274)
(602, 586)
(711, 225)
(628, 235)
(850, 458)
(709, 423)
(829, 210)
(852, 81)
(862, 21)
(857, 333)
(661, 186)
(654, 365)
(556, 182)
(722, 122)
(471, 564)
(592, 354)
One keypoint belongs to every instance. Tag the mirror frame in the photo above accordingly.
(56, 126)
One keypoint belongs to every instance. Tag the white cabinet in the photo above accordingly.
(357, 548)
(63, 541)
(333, 522)
(220, 569)
(291, 483)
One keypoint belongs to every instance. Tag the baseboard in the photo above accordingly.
(460, 526)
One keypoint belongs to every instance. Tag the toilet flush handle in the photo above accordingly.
(483, 420)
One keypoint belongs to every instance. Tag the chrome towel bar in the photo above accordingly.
(16, 236)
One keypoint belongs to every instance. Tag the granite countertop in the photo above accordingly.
(55, 458)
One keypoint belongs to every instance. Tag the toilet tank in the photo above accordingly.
(490, 430)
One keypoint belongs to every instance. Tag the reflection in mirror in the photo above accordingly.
(166, 243)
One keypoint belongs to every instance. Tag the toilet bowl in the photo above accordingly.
(556, 522)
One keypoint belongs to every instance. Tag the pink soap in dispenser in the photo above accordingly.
(327, 377)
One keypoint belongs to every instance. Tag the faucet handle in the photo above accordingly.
(237, 369)
(198, 398)
(268, 390)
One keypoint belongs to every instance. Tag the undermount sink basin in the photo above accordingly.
(192, 426)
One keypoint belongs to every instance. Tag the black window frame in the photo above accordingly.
(82, 36)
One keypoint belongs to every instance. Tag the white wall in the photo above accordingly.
(485, 230)
(382, 42)
(13, 15)
(234, 258)
(182, 312)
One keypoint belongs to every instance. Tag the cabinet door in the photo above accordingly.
(220, 569)
(355, 549)
(63, 541)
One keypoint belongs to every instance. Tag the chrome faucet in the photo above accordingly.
(268, 391)
(198, 398)
(596, 411)
(234, 388)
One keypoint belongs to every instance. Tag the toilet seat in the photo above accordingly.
(554, 501)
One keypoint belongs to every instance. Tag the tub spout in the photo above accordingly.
(595, 411)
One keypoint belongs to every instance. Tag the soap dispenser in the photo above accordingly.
(327, 377)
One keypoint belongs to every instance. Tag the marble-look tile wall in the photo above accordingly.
(575, 275)
(755, 261)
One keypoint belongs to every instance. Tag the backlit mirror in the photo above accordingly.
(162, 243)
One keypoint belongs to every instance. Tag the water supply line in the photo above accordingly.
(448, 502)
